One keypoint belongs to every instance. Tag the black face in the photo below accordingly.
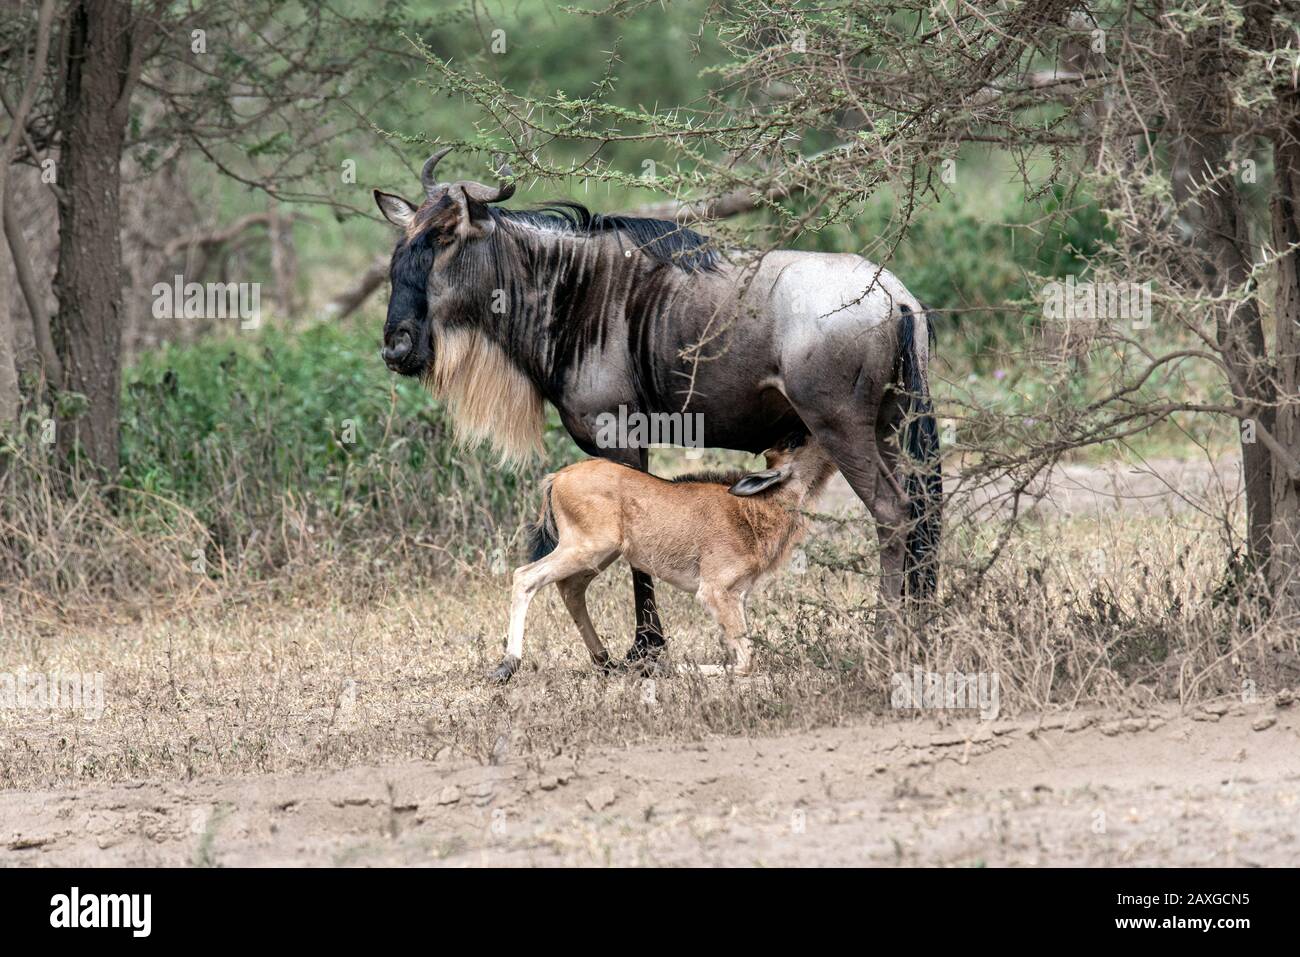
(408, 335)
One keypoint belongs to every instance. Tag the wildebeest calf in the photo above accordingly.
(715, 535)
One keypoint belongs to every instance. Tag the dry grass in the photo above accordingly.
(335, 667)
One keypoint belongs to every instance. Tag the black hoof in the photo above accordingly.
(646, 647)
(607, 665)
(504, 671)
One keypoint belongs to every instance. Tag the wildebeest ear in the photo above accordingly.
(474, 221)
(395, 209)
(756, 482)
(474, 199)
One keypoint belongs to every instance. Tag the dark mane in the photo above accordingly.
(726, 477)
(659, 239)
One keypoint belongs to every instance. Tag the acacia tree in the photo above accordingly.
(1163, 114)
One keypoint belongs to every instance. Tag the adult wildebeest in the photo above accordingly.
(498, 310)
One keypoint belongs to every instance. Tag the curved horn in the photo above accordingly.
(426, 175)
(486, 194)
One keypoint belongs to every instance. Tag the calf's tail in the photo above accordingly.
(542, 536)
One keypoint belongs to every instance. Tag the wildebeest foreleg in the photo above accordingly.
(649, 641)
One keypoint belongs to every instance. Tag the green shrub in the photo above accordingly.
(306, 425)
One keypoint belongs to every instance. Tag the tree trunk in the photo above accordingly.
(284, 260)
(1285, 577)
(102, 59)
(1223, 248)
(32, 292)
(9, 397)
(1220, 260)
(1244, 348)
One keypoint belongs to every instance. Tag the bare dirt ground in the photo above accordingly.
(1219, 785)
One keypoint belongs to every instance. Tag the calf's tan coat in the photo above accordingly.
(715, 536)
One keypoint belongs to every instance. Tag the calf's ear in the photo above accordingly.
(756, 482)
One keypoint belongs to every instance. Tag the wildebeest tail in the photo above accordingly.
(923, 480)
(542, 536)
